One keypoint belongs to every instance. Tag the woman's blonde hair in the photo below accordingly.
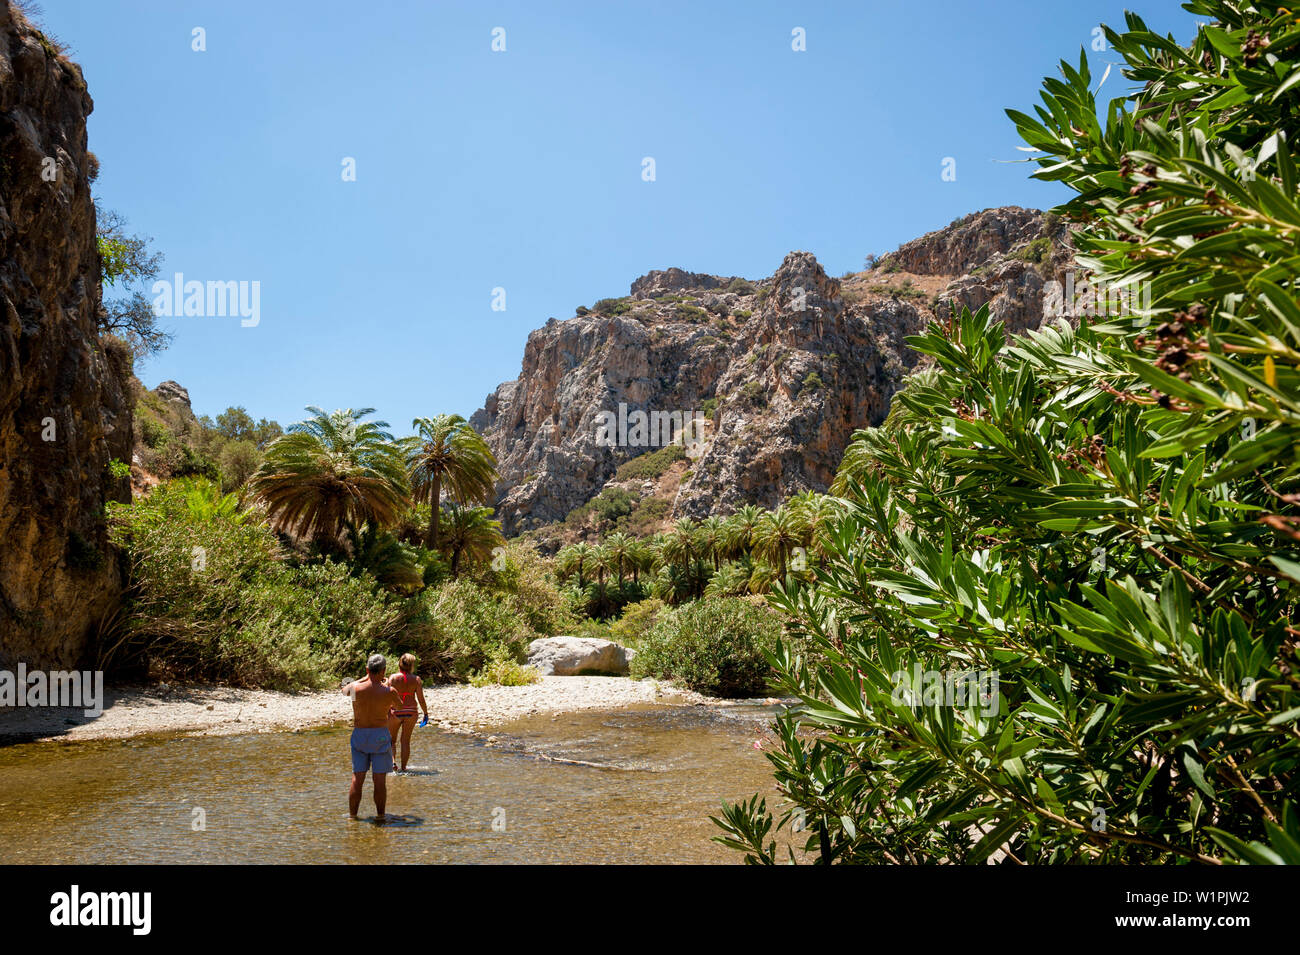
(408, 662)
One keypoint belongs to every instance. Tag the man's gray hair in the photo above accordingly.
(376, 664)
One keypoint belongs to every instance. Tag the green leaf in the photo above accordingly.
(1197, 774)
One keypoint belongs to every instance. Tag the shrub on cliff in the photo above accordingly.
(711, 646)
(1099, 524)
(650, 465)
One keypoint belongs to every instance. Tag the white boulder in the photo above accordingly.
(575, 656)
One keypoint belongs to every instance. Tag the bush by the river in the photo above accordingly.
(216, 596)
(712, 646)
(637, 620)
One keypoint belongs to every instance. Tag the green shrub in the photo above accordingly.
(1036, 250)
(612, 306)
(611, 504)
(153, 432)
(523, 574)
(648, 513)
(636, 621)
(711, 646)
(237, 462)
(650, 465)
(470, 625)
(325, 617)
(214, 599)
(504, 670)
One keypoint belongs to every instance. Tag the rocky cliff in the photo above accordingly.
(64, 410)
(781, 370)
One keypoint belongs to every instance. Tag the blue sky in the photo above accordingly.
(522, 169)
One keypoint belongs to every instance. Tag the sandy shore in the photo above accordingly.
(222, 711)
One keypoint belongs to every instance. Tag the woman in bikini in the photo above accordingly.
(402, 716)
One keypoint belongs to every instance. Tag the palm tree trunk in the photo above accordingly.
(431, 540)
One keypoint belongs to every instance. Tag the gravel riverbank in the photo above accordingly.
(222, 711)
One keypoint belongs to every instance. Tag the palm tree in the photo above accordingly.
(566, 563)
(599, 561)
(761, 577)
(671, 585)
(331, 472)
(206, 502)
(778, 534)
(656, 545)
(385, 558)
(818, 513)
(713, 539)
(740, 530)
(641, 559)
(679, 545)
(448, 453)
(618, 553)
(683, 548)
(471, 533)
(730, 581)
(574, 559)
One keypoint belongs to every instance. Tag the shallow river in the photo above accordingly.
(632, 785)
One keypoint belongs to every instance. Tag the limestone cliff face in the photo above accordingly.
(782, 370)
(64, 411)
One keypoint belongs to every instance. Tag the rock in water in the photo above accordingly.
(576, 656)
(65, 412)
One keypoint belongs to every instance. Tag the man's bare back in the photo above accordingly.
(371, 700)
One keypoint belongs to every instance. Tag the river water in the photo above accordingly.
(631, 785)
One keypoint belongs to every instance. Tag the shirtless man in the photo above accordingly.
(371, 701)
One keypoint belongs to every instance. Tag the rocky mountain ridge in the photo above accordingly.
(782, 370)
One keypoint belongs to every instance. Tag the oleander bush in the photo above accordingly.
(1100, 519)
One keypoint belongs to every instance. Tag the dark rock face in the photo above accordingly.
(785, 368)
(64, 408)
